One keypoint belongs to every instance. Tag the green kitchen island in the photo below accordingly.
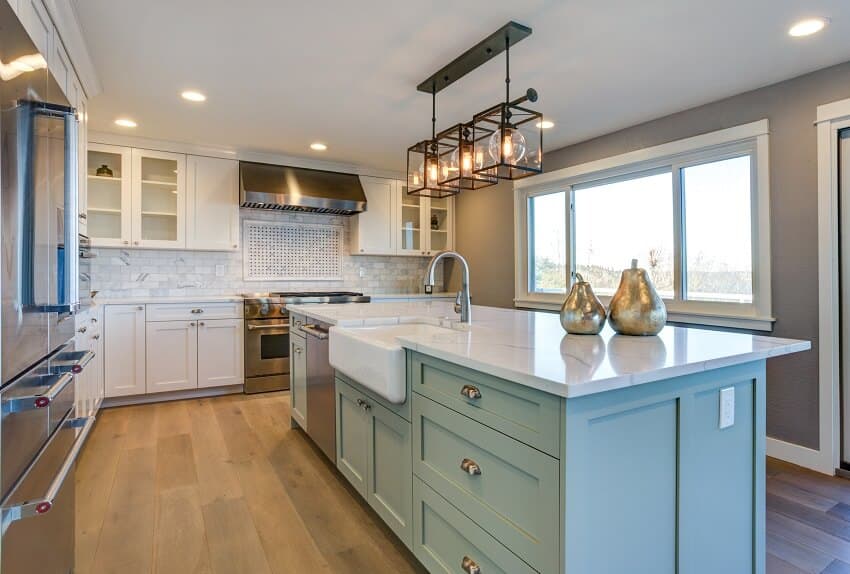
(517, 448)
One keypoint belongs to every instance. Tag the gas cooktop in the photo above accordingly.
(308, 297)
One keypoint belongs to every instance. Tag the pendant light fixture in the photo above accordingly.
(508, 138)
(428, 163)
(502, 142)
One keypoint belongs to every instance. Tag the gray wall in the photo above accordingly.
(792, 391)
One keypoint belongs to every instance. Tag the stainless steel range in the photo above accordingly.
(267, 334)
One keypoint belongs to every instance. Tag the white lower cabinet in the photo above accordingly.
(145, 354)
(124, 350)
(298, 379)
(221, 356)
(172, 356)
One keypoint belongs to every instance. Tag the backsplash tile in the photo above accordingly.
(170, 273)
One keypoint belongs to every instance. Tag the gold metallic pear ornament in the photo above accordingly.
(636, 308)
(582, 313)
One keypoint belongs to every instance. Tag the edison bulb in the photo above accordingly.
(432, 172)
(466, 162)
(512, 146)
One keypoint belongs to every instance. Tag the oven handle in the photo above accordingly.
(43, 504)
(315, 331)
(278, 326)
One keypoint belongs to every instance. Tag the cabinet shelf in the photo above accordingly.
(159, 214)
(104, 210)
(160, 183)
(104, 177)
(410, 229)
(439, 231)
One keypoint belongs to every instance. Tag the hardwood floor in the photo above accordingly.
(808, 521)
(220, 486)
(223, 486)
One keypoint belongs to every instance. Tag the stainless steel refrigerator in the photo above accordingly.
(39, 295)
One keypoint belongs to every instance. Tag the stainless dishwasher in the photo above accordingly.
(321, 393)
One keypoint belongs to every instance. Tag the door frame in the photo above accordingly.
(831, 118)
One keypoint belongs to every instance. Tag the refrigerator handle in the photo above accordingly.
(70, 302)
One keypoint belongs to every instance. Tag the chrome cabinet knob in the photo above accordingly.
(235, 246)
(470, 467)
(135, 243)
(126, 243)
(95, 337)
(470, 392)
(469, 566)
(140, 308)
(82, 329)
(201, 323)
(192, 324)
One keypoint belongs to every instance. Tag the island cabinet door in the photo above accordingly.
(352, 436)
(389, 480)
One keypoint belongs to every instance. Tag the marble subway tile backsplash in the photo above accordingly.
(169, 273)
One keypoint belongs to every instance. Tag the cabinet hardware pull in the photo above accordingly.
(140, 308)
(201, 323)
(95, 337)
(192, 324)
(126, 243)
(470, 392)
(82, 329)
(470, 467)
(469, 566)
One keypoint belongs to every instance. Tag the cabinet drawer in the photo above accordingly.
(443, 538)
(528, 415)
(192, 311)
(510, 489)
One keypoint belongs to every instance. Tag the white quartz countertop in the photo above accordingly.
(142, 300)
(531, 348)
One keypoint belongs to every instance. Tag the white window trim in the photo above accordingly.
(752, 137)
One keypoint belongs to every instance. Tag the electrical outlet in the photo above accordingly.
(429, 289)
(219, 270)
(727, 407)
(362, 272)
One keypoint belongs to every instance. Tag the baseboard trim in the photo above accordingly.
(170, 396)
(799, 455)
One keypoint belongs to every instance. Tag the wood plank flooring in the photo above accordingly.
(220, 486)
(223, 486)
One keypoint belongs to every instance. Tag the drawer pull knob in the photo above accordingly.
(470, 392)
(363, 405)
(470, 467)
(469, 566)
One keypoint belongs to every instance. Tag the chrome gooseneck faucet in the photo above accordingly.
(462, 304)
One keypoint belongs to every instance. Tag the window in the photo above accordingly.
(549, 267)
(693, 213)
(617, 221)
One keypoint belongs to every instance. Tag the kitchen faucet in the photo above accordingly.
(462, 304)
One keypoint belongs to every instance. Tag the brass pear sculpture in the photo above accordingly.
(582, 313)
(636, 308)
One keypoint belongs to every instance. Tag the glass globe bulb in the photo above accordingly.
(513, 146)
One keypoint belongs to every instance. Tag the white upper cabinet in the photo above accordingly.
(78, 100)
(212, 208)
(109, 195)
(159, 199)
(396, 223)
(373, 232)
(60, 66)
(38, 25)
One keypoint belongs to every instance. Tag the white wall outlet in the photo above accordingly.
(362, 272)
(727, 407)
(219, 270)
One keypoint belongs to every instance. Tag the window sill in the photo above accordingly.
(703, 319)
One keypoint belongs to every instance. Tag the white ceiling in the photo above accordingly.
(282, 74)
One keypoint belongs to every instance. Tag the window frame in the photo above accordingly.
(748, 139)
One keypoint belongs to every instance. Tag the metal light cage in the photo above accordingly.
(423, 179)
(457, 164)
(498, 121)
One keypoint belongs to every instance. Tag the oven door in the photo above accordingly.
(266, 347)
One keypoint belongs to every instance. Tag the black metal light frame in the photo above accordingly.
(460, 160)
(434, 158)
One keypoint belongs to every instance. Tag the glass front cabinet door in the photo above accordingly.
(425, 225)
(159, 198)
(109, 195)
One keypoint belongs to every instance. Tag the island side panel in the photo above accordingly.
(652, 482)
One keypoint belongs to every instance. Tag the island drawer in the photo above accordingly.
(194, 311)
(528, 415)
(508, 488)
(444, 540)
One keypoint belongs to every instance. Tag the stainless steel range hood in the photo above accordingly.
(278, 187)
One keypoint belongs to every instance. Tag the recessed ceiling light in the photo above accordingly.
(318, 146)
(193, 96)
(545, 124)
(125, 123)
(807, 27)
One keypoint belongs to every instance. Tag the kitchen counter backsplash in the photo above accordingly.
(170, 273)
